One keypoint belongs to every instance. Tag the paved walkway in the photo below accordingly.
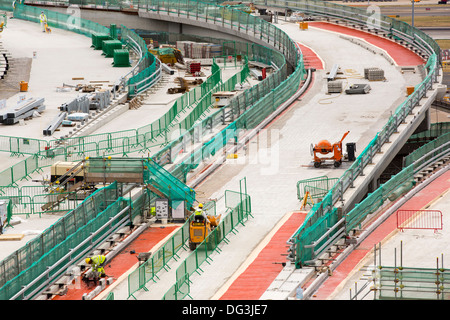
(401, 55)
(310, 57)
(255, 280)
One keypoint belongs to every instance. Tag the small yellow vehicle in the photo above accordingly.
(200, 229)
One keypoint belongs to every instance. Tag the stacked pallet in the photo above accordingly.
(199, 50)
(23, 110)
(374, 74)
(193, 67)
(334, 86)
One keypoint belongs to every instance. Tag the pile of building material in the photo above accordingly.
(56, 122)
(78, 116)
(78, 104)
(358, 89)
(181, 89)
(99, 100)
(259, 70)
(193, 67)
(374, 74)
(185, 85)
(77, 109)
(23, 110)
(334, 86)
(199, 50)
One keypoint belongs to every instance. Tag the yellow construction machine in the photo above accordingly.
(200, 229)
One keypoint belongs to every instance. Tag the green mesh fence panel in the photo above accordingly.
(436, 130)
(404, 283)
(238, 214)
(317, 187)
(148, 270)
(437, 144)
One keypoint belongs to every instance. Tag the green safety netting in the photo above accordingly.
(33, 259)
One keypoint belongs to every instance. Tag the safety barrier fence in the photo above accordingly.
(42, 203)
(317, 187)
(404, 283)
(148, 271)
(51, 243)
(240, 209)
(419, 219)
(312, 230)
(64, 249)
(148, 70)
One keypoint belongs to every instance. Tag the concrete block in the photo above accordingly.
(109, 281)
(103, 283)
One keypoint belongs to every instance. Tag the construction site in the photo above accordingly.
(208, 150)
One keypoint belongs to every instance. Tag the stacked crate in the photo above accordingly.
(193, 66)
(199, 50)
(374, 74)
(335, 86)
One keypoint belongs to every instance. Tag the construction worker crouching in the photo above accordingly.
(43, 19)
(97, 262)
(199, 214)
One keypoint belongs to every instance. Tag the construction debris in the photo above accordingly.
(185, 85)
(181, 89)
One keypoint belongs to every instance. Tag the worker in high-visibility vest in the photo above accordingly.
(199, 214)
(43, 20)
(97, 263)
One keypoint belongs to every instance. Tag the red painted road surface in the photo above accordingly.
(123, 261)
(401, 55)
(254, 281)
(418, 201)
(310, 58)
